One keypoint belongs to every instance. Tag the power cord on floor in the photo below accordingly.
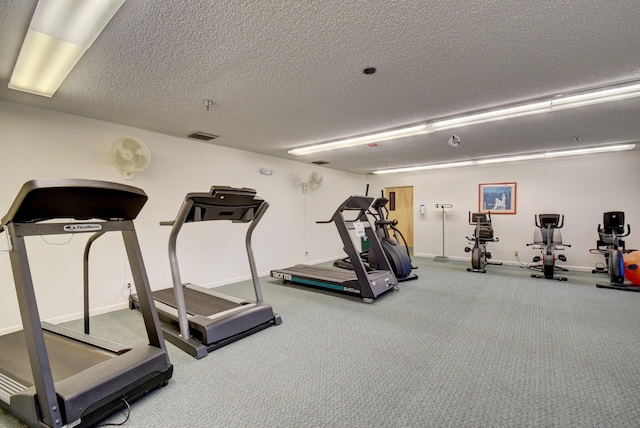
(528, 265)
(119, 423)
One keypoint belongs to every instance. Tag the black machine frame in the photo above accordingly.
(613, 249)
(51, 389)
(483, 234)
(367, 285)
(395, 248)
(228, 318)
(546, 226)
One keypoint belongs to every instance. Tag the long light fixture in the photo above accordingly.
(492, 115)
(556, 103)
(60, 32)
(364, 139)
(515, 158)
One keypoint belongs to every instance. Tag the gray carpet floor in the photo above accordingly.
(451, 349)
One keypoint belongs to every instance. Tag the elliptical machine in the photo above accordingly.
(482, 234)
(613, 248)
(548, 238)
(397, 253)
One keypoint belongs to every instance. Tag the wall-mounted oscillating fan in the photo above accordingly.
(313, 183)
(131, 155)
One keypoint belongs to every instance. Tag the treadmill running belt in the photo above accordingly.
(197, 303)
(67, 357)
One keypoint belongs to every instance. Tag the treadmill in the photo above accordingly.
(361, 283)
(199, 320)
(51, 376)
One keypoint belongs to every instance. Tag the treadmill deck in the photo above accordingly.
(335, 279)
(197, 303)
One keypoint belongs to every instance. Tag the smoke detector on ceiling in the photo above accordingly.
(454, 141)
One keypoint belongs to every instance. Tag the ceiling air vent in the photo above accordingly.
(202, 136)
(320, 162)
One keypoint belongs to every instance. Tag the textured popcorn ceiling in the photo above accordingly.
(285, 73)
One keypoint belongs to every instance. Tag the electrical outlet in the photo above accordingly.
(515, 253)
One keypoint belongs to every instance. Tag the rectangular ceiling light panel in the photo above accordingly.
(60, 32)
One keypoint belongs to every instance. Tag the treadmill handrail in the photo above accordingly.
(175, 268)
(252, 264)
(85, 269)
(362, 202)
(257, 210)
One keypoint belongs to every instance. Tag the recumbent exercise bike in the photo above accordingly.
(482, 234)
(613, 248)
(548, 239)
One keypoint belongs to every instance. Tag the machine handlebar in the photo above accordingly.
(602, 231)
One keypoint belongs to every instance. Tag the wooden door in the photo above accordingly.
(400, 208)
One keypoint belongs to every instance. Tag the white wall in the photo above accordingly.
(38, 143)
(580, 187)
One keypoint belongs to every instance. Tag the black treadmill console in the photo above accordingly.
(40, 200)
(355, 203)
(223, 203)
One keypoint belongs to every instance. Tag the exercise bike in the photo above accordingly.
(548, 239)
(483, 233)
(393, 244)
(613, 248)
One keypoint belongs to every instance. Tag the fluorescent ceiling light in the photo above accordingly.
(424, 167)
(516, 158)
(364, 139)
(560, 102)
(590, 150)
(509, 159)
(60, 32)
(614, 93)
(492, 115)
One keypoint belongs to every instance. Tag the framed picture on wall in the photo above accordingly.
(499, 198)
